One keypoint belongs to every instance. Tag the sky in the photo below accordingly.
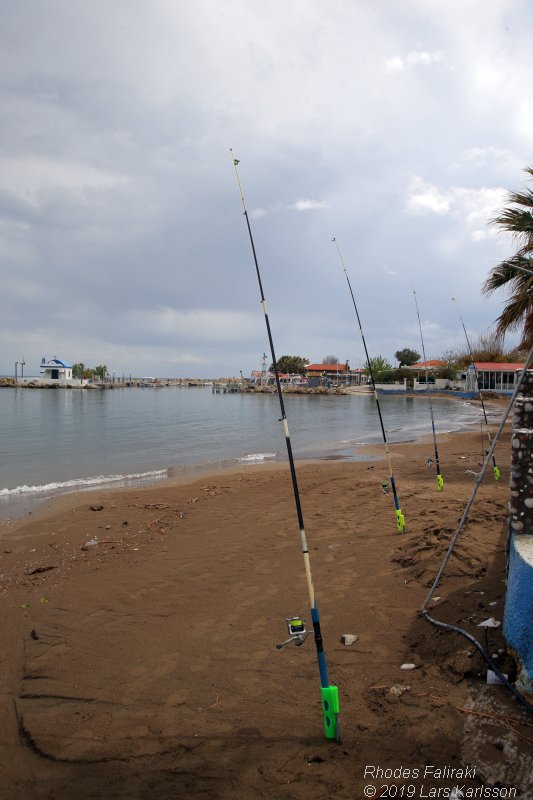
(397, 128)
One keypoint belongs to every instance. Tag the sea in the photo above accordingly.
(69, 440)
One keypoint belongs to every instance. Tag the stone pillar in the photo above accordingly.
(518, 615)
(521, 483)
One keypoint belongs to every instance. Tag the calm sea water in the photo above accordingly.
(66, 440)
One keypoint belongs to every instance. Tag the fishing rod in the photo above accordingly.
(400, 519)
(440, 479)
(296, 626)
(495, 468)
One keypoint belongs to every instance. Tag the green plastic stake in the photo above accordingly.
(400, 521)
(440, 483)
(496, 471)
(330, 707)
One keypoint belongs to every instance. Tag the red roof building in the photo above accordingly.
(493, 376)
(430, 364)
(326, 369)
(496, 366)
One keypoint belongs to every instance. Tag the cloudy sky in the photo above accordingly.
(398, 128)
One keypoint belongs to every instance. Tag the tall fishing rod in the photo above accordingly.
(400, 519)
(495, 468)
(330, 694)
(440, 479)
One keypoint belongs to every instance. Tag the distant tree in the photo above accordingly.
(406, 357)
(296, 365)
(381, 368)
(486, 347)
(77, 370)
(330, 360)
(101, 371)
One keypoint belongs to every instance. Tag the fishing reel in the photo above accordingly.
(297, 632)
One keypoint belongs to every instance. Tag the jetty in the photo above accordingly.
(231, 387)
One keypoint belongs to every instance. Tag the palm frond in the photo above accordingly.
(508, 274)
(516, 219)
(524, 198)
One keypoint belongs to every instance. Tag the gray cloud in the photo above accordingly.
(121, 233)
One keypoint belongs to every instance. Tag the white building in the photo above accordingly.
(56, 370)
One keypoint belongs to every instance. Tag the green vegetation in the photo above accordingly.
(517, 220)
(406, 357)
(382, 370)
(81, 371)
(295, 365)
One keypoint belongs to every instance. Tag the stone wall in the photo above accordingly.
(518, 615)
(521, 484)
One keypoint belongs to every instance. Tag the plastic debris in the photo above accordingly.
(91, 543)
(493, 679)
(408, 666)
(398, 690)
(348, 638)
(489, 623)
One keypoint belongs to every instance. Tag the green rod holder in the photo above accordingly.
(400, 521)
(330, 707)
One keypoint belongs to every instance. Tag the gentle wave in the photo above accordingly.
(95, 480)
(257, 456)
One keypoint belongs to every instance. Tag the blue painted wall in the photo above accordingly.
(518, 615)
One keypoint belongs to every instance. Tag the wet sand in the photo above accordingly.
(139, 627)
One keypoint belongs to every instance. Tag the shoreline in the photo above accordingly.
(140, 625)
(19, 502)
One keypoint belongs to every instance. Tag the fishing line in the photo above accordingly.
(453, 542)
(495, 468)
(330, 694)
(400, 519)
(440, 479)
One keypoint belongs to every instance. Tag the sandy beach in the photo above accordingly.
(139, 627)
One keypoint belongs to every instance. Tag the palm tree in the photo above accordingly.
(516, 272)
